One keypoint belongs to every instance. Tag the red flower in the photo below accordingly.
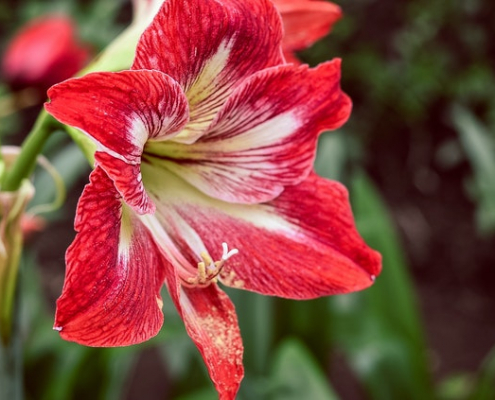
(43, 53)
(305, 22)
(209, 138)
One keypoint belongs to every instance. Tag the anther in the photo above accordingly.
(206, 258)
(208, 270)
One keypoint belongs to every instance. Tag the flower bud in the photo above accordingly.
(12, 209)
(43, 52)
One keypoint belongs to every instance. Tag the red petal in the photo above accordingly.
(264, 138)
(291, 58)
(209, 47)
(302, 245)
(306, 21)
(128, 182)
(111, 294)
(211, 322)
(121, 112)
(318, 253)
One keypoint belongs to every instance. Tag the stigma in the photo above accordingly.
(208, 270)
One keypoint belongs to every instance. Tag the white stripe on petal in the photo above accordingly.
(265, 135)
(206, 95)
(204, 85)
(140, 131)
(125, 237)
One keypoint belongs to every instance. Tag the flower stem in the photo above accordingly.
(11, 383)
(32, 146)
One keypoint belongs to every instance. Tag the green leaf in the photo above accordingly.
(256, 321)
(379, 329)
(479, 146)
(332, 155)
(296, 375)
(203, 394)
(455, 387)
(485, 386)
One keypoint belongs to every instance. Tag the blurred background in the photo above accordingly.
(418, 156)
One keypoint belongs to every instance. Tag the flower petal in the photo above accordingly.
(209, 47)
(264, 137)
(301, 245)
(121, 112)
(317, 253)
(306, 21)
(211, 322)
(111, 294)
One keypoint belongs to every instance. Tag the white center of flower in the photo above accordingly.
(208, 269)
(191, 272)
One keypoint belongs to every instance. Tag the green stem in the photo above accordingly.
(24, 164)
(11, 372)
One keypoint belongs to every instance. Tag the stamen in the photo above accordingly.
(206, 258)
(208, 270)
(201, 271)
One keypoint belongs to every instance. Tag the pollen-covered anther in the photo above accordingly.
(208, 269)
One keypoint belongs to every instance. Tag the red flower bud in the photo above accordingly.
(44, 52)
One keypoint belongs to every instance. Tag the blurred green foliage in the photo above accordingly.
(380, 329)
(479, 144)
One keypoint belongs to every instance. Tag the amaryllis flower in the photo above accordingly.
(305, 22)
(204, 175)
(44, 52)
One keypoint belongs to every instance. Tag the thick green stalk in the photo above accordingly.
(11, 382)
(24, 164)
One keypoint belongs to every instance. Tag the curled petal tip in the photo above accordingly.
(57, 328)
